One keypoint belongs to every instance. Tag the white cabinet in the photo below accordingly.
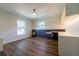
(68, 46)
(1, 44)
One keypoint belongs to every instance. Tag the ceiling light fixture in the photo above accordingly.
(34, 12)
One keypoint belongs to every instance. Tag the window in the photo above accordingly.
(41, 25)
(21, 27)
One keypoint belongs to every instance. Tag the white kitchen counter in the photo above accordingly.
(67, 34)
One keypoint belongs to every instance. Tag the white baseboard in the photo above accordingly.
(16, 39)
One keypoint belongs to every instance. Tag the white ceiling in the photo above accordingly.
(26, 9)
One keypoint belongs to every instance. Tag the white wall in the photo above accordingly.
(51, 22)
(72, 9)
(72, 25)
(70, 19)
(63, 16)
(8, 27)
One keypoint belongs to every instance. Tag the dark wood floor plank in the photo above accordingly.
(34, 46)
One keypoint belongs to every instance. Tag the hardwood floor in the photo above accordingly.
(32, 47)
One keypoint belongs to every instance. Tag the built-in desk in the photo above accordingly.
(47, 33)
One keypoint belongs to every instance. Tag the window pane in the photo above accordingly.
(41, 25)
(21, 27)
(20, 23)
